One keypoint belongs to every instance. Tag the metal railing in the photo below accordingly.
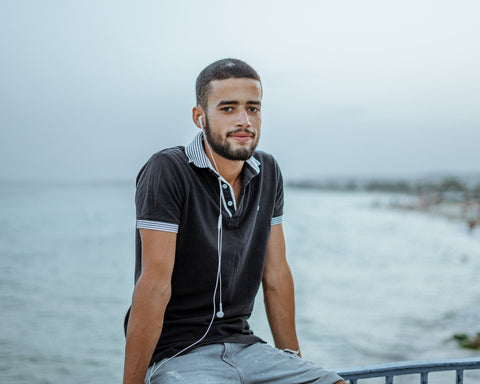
(420, 367)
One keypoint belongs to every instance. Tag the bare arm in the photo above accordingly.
(278, 292)
(150, 298)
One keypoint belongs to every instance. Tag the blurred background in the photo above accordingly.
(370, 107)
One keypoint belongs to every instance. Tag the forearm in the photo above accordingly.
(280, 306)
(144, 329)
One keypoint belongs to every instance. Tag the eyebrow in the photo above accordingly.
(235, 102)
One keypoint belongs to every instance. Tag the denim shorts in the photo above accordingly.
(225, 363)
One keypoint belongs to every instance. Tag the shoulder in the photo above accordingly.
(163, 161)
(268, 163)
(264, 157)
(168, 157)
(174, 155)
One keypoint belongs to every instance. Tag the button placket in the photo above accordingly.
(228, 198)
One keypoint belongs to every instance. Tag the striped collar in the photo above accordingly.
(196, 155)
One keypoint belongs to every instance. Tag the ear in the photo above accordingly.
(197, 111)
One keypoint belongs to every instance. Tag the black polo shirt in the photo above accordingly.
(178, 191)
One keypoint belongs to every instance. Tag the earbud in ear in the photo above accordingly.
(201, 121)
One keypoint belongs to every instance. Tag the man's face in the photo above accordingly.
(233, 117)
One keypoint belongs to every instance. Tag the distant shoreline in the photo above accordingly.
(449, 197)
(467, 211)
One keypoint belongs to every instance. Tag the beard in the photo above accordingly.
(225, 149)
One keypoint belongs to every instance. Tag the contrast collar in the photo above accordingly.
(196, 155)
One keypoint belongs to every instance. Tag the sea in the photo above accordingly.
(373, 284)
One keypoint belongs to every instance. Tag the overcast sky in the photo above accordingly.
(90, 89)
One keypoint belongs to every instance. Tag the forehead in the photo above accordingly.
(240, 89)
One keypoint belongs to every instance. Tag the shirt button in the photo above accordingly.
(230, 203)
(224, 186)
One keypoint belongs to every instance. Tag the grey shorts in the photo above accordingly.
(240, 364)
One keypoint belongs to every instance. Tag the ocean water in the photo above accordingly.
(372, 284)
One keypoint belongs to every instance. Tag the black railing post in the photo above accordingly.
(459, 376)
(424, 378)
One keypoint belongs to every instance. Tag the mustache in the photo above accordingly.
(251, 132)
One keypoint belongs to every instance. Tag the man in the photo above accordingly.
(209, 231)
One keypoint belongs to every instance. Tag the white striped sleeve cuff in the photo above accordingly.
(277, 220)
(157, 226)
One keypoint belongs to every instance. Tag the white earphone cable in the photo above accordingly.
(218, 280)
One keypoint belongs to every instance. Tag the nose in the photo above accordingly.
(242, 118)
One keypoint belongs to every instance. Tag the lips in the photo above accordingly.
(241, 136)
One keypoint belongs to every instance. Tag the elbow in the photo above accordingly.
(272, 285)
(163, 293)
(153, 289)
(277, 282)
(269, 284)
(274, 278)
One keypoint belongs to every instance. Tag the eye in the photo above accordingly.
(254, 109)
(227, 109)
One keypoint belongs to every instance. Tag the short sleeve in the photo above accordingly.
(278, 208)
(159, 195)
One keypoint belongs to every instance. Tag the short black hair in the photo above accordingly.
(221, 70)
